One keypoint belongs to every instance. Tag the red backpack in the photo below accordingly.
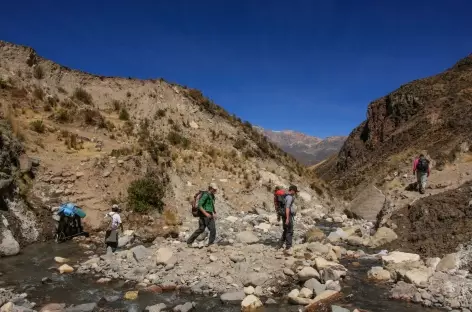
(279, 200)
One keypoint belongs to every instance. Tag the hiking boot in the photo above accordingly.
(280, 245)
(288, 252)
(189, 245)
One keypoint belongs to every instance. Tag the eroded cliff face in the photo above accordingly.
(432, 114)
(20, 223)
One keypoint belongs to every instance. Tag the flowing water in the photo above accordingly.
(26, 271)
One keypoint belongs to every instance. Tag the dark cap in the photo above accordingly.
(293, 188)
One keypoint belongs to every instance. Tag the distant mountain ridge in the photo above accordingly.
(309, 150)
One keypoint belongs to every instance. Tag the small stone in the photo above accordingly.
(65, 269)
(61, 260)
(249, 290)
(308, 272)
(156, 308)
(233, 297)
(213, 258)
(131, 295)
(306, 293)
(250, 303)
(288, 272)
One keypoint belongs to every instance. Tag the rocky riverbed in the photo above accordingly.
(243, 271)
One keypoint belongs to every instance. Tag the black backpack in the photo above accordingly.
(423, 165)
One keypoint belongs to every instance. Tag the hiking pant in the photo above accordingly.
(203, 223)
(287, 235)
(422, 178)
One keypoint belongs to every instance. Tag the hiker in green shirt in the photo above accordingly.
(207, 214)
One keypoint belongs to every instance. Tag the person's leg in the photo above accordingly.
(418, 180)
(212, 228)
(424, 178)
(284, 234)
(289, 234)
(200, 230)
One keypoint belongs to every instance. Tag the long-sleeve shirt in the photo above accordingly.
(415, 164)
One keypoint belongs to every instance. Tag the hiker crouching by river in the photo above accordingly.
(207, 215)
(111, 236)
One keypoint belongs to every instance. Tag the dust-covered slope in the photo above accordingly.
(95, 135)
(432, 114)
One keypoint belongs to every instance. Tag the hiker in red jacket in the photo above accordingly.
(422, 171)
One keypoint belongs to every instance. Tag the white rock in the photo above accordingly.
(8, 245)
(418, 276)
(263, 226)
(432, 262)
(66, 269)
(322, 263)
(61, 260)
(164, 256)
(193, 125)
(307, 273)
(249, 290)
(306, 293)
(378, 274)
(250, 303)
(232, 219)
(399, 257)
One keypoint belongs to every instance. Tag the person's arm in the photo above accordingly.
(288, 204)
(201, 202)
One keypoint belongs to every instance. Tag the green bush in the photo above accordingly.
(124, 115)
(145, 195)
(38, 93)
(178, 139)
(38, 72)
(83, 96)
(37, 126)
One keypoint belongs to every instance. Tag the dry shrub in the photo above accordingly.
(38, 126)
(82, 95)
(38, 72)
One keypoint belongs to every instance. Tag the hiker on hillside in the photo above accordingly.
(422, 170)
(278, 193)
(111, 235)
(287, 219)
(207, 215)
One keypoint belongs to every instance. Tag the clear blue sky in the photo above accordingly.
(311, 66)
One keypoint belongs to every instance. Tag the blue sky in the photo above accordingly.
(311, 66)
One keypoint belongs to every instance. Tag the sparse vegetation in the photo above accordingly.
(61, 90)
(145, 195)
(82, 95)
(38, 72)
(240, 144)
(93, 118)
(160, 113)
(37, 126)
(128, 94)
(128, 127)
(124, 115)
(64, 115)
(116, 105)
(38, 93)
(178, 139)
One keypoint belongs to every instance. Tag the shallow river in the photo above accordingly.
(26, 271)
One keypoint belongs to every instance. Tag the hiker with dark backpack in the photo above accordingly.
(204, 208)
(422, 171)
(288, 218)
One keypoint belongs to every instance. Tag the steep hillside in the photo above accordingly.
(433, 115)
(95, 135)
(308, 150)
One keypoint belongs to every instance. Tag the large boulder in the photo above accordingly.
(448, 262)
(8, 245)
(383, 236)
(314, 285)
(419, 276)
(140, 252)
(399, 257)
(368, 203)
(307, 273)
(85, 307)
(247, 237)
(164, 256)
(156, 308)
